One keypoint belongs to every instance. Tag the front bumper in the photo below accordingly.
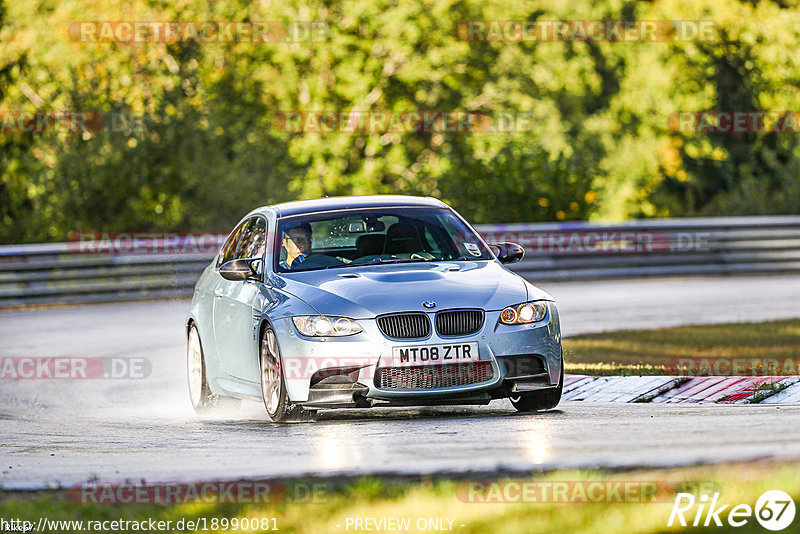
(316, 370)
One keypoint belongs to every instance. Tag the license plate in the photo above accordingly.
(434, 354)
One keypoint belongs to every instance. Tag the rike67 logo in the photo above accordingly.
(774, 511)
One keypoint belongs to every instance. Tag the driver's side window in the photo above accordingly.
(253, 239)
(247, 241)
(229, 247)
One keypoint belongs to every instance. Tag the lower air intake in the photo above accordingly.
(433, 376)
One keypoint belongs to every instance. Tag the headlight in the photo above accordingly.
(323, 325)
(527, 312)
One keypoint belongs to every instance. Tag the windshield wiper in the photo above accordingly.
(380, 261)
(375, 261)
(336, 266)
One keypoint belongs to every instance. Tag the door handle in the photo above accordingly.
(217, 293)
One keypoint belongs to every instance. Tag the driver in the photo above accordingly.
(297, 243)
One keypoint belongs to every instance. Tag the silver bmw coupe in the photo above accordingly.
(365, 302)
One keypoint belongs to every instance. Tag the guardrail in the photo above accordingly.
(130, 268)
(654, 247)
(70, 272)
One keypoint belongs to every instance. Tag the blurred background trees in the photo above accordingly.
(198, 146)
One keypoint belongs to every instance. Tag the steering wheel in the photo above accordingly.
(316, 261)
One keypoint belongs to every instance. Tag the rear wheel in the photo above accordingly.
(273, 386)
(199, 392)
(546, 399)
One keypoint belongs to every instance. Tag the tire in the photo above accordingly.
(273, 386)
(540, 400)
(199, 392)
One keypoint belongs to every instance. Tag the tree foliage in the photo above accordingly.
(190, 140)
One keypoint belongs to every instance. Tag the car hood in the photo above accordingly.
(366, 291)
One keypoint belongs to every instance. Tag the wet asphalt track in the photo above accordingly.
(62, 432)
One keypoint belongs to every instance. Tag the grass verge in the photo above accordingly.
(448, 499)
(648, 352)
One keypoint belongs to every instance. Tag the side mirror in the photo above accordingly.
(507, 252)
(238, 270)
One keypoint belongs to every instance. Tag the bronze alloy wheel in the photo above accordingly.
(273, 386)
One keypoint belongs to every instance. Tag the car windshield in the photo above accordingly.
(374, 236)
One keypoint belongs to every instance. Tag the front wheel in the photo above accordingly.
(273, 386)
(540, 400)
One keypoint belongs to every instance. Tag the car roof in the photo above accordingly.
(300, 207)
